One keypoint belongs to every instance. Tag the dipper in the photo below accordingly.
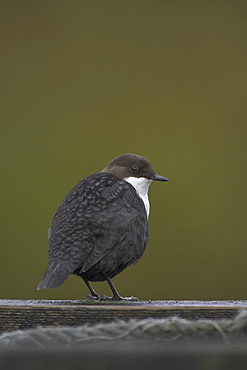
(101, 227)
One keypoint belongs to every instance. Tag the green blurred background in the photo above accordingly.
(85, 81)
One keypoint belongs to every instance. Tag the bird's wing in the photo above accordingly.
(112, 221)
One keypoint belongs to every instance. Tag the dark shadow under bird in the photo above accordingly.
(101, 227)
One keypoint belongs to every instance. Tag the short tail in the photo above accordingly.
(53, 277)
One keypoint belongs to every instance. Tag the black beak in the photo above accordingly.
(156, 177)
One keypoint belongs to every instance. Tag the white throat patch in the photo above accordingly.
(141, 184)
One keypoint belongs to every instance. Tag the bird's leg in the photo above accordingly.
(94, 294)
(116, 295)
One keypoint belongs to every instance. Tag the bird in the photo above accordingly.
(101, 226)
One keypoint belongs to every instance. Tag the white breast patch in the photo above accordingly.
(141, 184)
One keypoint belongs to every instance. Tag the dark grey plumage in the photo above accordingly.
(101, 226)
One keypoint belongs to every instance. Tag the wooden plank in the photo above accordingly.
(173, 343)
(23, 314)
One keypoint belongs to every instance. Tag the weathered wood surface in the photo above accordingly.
(101, 347)
(23, 314)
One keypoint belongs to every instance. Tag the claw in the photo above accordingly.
(104, 298)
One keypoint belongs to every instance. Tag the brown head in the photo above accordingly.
(132, 165)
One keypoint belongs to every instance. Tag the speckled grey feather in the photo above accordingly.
(100, 226)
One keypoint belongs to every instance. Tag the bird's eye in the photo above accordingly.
(134, 169)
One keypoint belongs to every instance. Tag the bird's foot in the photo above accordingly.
(103, 298)
(99, 298)
(126, 299)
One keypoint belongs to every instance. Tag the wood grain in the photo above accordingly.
(23, 314)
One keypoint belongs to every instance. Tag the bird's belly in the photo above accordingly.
(125, 253)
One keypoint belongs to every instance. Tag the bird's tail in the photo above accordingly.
(53, 277)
